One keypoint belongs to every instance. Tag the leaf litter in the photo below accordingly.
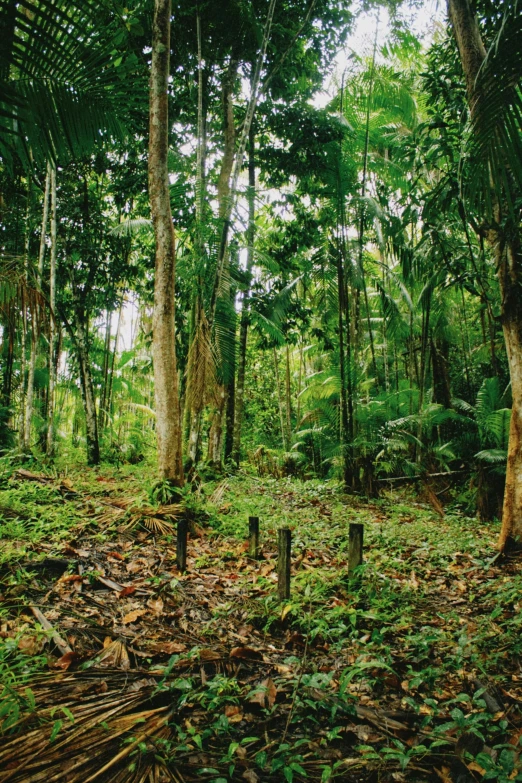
(408, 671)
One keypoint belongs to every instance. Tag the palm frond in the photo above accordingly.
(62, 90)
(496, 145)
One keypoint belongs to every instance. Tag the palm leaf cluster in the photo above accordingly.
(496, 115)
(62, 91)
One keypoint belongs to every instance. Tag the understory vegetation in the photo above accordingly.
(407, 669)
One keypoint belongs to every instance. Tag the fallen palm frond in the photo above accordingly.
(158, 520)
(119, 714)
(217, 495)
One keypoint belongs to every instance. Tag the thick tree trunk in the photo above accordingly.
(510, 271)
(168, 419)
(53, 331)
(508, 257)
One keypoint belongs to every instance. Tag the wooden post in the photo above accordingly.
(253, 537)
(284, 543)
(181, 545)
(355, 545)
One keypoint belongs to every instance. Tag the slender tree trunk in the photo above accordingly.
(34, 330)
(23, 346)
(108, 399)
(168, 418)
(215, 438)
(102, 413)
(53, 331)
(279, 399)
(362, 218)
(507, 249)
(238, 164)
(81, 344)
(196, 383)
(243, 330)
(288, 396)
(231, 392)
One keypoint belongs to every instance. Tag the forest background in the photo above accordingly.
(324, 295)
(346, 277)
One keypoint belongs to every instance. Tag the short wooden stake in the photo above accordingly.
(284, 544)
(253, 537)
(181, 545)
(355, 545)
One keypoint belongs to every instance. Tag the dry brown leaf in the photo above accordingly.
(132, 616)
(71, 578)
(129, 590)
(30, 645)
(156, 605)
(265, 694)
(474, 767)
(134, 566)
(247, 653)
(250, 776)
(169, 648)
(233, 713)
(67, 660)
(208, 655)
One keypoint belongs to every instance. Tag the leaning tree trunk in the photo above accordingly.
(508, 256)
(168, 419)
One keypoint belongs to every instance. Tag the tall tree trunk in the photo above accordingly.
(102, 412)
(23, 341)
(215, 438)
(243, 329)
(279, 399)
(195, 391)
(506, 246)
(231, 393)
(168, 418)
(53, 330)
(110, 379)
(34, 326)
(8, 340)
(288, 397)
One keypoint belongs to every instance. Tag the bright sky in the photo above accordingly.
(421, 21)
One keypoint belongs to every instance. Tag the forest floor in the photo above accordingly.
(116, 667)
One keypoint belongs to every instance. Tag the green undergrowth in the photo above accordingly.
(429, 623)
